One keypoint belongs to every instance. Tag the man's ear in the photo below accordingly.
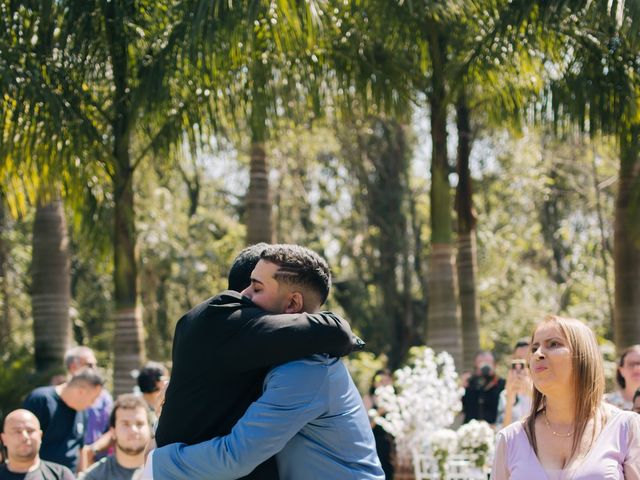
(296, 303)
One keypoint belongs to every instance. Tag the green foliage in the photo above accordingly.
(362, 367)
(518, 278)
(15, 237)
(17, 378)
(91, 291)
(170, 74)
(185, 254)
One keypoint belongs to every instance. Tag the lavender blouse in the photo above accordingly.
(615, 455)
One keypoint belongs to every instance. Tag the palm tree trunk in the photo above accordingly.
(467, 259)
(467, 264)
(626, 241)
(51, 290)
(129, 347)
(259, 222)
(259, 227)
(443, 332)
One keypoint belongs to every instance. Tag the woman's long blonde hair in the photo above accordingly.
(588, 378)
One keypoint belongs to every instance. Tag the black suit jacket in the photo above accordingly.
(222, 350)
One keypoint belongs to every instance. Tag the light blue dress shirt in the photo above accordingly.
(310, 412)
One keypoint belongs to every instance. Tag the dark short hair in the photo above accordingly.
(636, 395)
(87, 376)
(523, 342)
(300, 266)
(619, 378)
(150, 375)
(128, 401)
(240, 272)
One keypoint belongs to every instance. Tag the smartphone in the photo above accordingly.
(518, 364)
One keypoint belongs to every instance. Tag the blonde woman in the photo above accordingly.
(627, 377)
(570, 433)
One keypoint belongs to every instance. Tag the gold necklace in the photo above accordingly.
(546, 421)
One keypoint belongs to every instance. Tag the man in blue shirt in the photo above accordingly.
(222, 350)
(310, 413)
(60, 411)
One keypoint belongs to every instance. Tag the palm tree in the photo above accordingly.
(596, 88)
(51, 285)
(258, 198)
(467, 253)
(118, 82)
(432, 48)
(492, 84)
(24, 123)
(274, 71)
(403, 49)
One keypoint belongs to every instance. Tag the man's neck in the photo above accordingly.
(16, 466)
(151, 399)
(63, 392)
(310, 307)
(129, 461)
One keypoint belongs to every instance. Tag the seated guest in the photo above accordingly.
(515, 399)
(627, 378)
(570, 432)
(61, 412)
(131, 431)
(75, 359)
(151, 380)
(22, 437)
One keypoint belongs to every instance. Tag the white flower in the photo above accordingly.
(426, 399)
(444, 440)
(477, 439)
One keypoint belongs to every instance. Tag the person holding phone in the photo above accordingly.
(515, 400)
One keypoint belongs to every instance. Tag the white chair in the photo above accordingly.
(458, 467)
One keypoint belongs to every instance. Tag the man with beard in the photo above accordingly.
(131, 431)
(222, 350)
(22, 436)
(310, 415)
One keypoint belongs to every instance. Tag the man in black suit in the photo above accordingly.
(222, 350)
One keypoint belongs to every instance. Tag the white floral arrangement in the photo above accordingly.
(444, 443)
(477, 439)
(426, 398)
(444, 440)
